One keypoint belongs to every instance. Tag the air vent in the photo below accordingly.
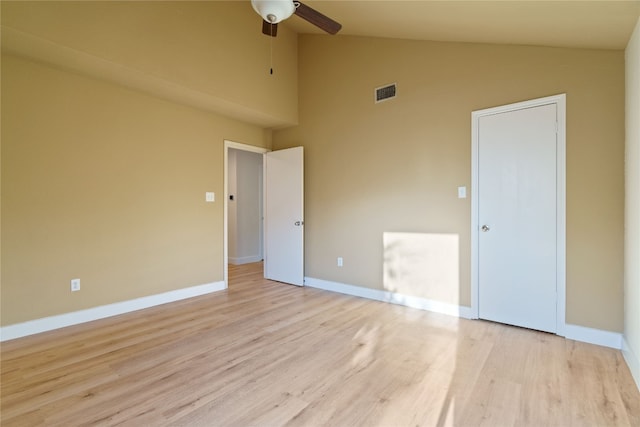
(385, 93)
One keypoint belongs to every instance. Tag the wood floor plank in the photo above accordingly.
(264, 353)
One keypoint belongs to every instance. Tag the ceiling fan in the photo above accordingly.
(274, 11)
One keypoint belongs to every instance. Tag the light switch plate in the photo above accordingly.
(210, 197)
(462, 192)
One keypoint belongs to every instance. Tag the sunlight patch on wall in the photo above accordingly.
(423, 265)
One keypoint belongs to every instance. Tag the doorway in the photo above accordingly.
(278, 231)
(243, 204)
(518, 214)
(245, 208)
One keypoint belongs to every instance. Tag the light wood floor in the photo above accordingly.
(270, 354)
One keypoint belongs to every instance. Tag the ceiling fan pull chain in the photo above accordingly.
(271, 52)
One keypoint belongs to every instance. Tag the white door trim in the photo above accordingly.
(238, 146)
(560, 101)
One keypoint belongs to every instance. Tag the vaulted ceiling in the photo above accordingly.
(582, 24)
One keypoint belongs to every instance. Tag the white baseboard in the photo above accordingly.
(574, 332)
(44, 324)
(633, 361)
(244, 259)
(390, 297)
(593, 336)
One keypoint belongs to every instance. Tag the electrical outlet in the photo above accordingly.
(75, 285)
(340, 261)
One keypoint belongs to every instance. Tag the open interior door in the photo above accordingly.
(284, 216)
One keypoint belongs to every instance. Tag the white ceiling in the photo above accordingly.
(583, 24)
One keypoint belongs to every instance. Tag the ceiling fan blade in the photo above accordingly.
(316, 18)
(269, 29)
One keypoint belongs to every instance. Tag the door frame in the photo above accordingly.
(243, 147)
(560, 102)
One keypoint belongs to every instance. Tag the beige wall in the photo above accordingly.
(104, 183)
(394, 167)
(211, 54)
(107, 185)
(632, 214)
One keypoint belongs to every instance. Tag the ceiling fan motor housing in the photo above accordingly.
(274, 11)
